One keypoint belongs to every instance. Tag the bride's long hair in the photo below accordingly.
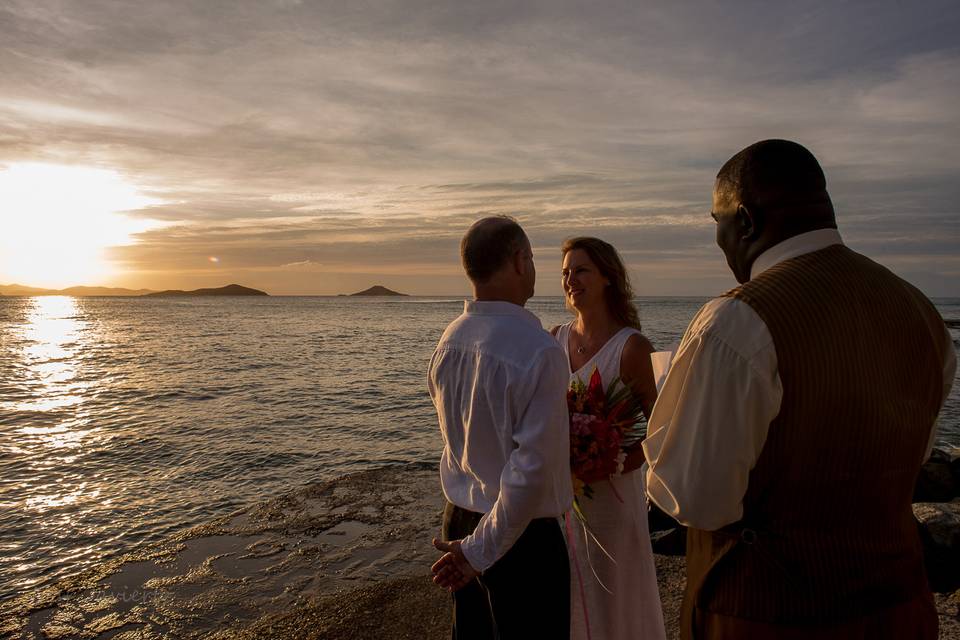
(619, 294)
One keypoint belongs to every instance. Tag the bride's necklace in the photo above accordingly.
(585, 344)
(582, 344)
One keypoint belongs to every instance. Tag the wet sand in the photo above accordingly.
(342, 559)
(318, 543)
(409, 607)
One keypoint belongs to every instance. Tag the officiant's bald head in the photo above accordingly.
(766, 193)
(776, 173)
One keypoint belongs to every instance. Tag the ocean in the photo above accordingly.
(125, 420)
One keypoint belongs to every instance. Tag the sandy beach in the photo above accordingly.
(347, 558)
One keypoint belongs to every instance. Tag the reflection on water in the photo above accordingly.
(123, 420)
(49, 337)
(44, 426)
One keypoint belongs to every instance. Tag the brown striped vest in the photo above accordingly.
(828, 533)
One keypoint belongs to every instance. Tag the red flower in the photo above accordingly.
(601, 423)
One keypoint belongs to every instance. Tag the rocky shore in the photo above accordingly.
(937, 509)
(342, 559)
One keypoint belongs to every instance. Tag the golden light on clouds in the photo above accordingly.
(57, 221)
(349, 148)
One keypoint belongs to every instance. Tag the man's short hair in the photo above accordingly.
(774, 172)
(488, 244)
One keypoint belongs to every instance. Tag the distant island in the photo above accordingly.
(20, 290)
(377, 290)
(79, 292)
(229, 290)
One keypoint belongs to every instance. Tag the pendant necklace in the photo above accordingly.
(582, 347)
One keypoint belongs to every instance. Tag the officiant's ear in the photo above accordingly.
(748, 223)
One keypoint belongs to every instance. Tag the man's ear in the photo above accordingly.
(519, 262)
(748, 223)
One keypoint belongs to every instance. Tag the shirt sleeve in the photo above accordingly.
(536, 478)
(710, 423)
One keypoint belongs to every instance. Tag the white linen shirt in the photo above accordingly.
(499, 383)
(725, 375)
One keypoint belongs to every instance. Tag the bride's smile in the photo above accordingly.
(582, 281)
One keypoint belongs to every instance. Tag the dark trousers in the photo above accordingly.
(525, 594)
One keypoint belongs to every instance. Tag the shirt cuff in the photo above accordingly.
(661, 496)
(468, 546)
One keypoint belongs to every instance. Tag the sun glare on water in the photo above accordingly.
(56, 222)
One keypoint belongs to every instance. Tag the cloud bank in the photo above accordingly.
(321, 147)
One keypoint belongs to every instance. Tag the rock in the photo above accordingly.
(658, 520)
(940, 533)
(948, 605)
(937, 481)
(672, 542)
(955, 465)
(667, 536)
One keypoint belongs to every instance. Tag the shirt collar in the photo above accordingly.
(796, 246)
(499, 308)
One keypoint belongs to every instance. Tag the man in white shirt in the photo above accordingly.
(792, 424)
(498, 381)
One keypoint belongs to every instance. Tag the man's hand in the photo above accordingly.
(452, 571)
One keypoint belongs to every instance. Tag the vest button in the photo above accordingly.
(748, 536)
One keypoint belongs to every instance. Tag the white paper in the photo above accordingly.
(661, 364)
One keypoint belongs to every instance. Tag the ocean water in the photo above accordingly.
(123, 420)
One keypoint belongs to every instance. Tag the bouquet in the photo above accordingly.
(602, 425)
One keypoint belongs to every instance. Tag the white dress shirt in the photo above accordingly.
(499, 383)
(723, 390)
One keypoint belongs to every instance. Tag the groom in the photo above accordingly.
(499, 383)
(792, 425)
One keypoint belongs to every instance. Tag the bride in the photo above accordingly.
(614, 589)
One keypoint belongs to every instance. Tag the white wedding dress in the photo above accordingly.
(618, 598)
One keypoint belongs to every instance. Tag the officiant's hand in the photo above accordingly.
(452, 571)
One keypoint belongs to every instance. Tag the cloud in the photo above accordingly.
(302, 265)
(367, 136)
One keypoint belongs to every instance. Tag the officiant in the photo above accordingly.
(793, 423)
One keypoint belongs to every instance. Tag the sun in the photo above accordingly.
(57, 220)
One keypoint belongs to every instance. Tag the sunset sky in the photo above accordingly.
(320, 148)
